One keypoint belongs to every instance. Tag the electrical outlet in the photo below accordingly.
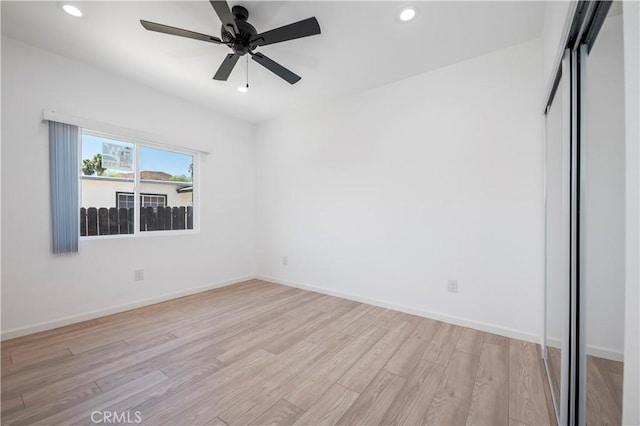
(138, 275)
(452, 286)
(285, 260)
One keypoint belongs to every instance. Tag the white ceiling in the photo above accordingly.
(362, 45)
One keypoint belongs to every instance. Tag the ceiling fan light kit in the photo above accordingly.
(242, 37)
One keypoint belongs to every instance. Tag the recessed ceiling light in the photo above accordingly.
(243, 89)
(72, 10)
(407, 14)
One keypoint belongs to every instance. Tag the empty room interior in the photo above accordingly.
(320, 212)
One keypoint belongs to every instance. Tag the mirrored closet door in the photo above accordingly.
(584, 220)
(557, 243)
(602, 223)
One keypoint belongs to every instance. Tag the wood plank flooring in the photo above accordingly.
(604, 391)
(604, 387)
(261, 353)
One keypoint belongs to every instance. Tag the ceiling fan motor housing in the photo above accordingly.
(241, 43)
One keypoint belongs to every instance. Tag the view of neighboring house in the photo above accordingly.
(156, 190)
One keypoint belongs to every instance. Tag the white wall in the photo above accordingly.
(39, 288)
(557, 19)
(631, 28)
(388, 194)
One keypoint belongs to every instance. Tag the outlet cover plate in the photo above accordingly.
(138, 275)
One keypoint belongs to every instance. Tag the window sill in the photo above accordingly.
(145, 234)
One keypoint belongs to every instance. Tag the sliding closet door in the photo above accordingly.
(602, 233)
(557, 240)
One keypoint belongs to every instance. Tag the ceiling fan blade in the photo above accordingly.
(225, 15)
(226, 67)
(304, 28)
(276, 68)
(152, 26)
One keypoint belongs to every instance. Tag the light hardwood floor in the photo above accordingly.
(604, 391)
(261, 353)
(604, 387)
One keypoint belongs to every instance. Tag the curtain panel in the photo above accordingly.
(63, 167)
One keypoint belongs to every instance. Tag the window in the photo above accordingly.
(115, 172)
(125, 199)
(155, 201)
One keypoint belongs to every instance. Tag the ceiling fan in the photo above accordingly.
(243, 38)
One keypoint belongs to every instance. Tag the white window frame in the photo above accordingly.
(137, 143)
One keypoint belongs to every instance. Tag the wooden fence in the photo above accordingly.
(113, 221)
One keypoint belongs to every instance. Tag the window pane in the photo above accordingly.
(107, 167)
(125, 200)
(166, 179)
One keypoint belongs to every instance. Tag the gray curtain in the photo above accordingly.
(64, 163)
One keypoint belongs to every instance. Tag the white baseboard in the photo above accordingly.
(598, 351)
(593, 350)
(49, 325)
(606, 353)
(464, 322)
